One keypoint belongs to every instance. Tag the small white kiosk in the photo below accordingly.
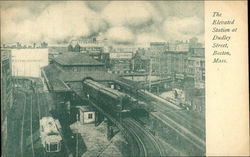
(86, 114)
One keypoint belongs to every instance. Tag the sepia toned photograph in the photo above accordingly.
(103, 78)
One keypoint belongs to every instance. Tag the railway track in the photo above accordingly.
(31, 126)
(141, 142)
(182, 131)
(26, 125)
(147, 143)
(182, 119)
(180, 112)
(133, 145)
(33, 106)
(186, 126)
(192, 124)
(22, 125)
(38, 106)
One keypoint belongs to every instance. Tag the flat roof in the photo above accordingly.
(85, 108)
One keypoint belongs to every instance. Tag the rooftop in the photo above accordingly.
(79, 76)
(76, 59)
(57, 77)
(84, 108)
(52, 71)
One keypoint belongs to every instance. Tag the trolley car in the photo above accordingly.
(50, 135)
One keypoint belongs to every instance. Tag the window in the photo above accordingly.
(53, 147)
(90, 116)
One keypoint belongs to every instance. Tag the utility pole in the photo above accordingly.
(77, 138)
(150, 73)
(160, 69)
(159, 59)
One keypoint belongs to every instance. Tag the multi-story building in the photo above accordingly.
(193, 43)
(140, 62)
(165, 59)
(195, 67)
(28, 62)
(120, 63)
(92, 47)
(179, 46)
(178, 64)
(169, 62)
(177, 60)
(123, 49)
(154, 53)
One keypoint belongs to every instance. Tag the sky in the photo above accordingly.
(120, 22)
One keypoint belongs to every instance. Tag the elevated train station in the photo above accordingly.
(94, 86)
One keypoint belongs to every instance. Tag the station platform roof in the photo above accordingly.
(54, 82)
(79, 76)
(57, 77)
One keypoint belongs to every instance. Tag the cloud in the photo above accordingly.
(180, 8)
(128, 13)
(120, 35)
(57, 22)
(97, 5)
(119, 21)
(183, 28)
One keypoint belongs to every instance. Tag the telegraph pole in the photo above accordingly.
(77, 138)
(150, 73)
(160, 69)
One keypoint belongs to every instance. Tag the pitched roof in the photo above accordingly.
(76, 59)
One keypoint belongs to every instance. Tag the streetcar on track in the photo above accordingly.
(50, 136)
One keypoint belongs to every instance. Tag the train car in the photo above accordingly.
(50, 135)
(109, 98)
